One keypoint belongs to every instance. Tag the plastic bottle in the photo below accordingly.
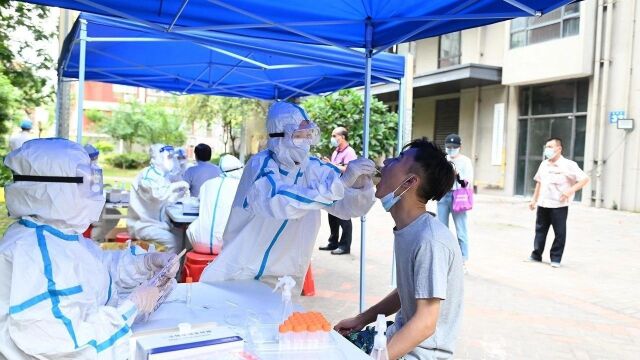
(286, 283)
(379, 351)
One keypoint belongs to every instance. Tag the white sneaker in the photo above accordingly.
(555, 264)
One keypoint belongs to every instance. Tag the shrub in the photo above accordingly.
(104, 147)
(133, 160)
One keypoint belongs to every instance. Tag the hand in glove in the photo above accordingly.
(363, 181)
(178, 186)
(155, 261)
(357, 168)
(145, 298)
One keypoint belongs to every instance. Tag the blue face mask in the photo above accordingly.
(391, 199)
(549, 153)
(453, 151)
(334, 142)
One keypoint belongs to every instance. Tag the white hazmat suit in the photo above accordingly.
(216, 198)
(58, 290)
(276, 211)
(151, 193)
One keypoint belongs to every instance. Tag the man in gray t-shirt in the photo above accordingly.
(428, 300)
(429, 265)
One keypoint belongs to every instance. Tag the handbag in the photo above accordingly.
(462, 196)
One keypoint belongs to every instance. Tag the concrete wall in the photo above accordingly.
(558, 59)
(621, 172)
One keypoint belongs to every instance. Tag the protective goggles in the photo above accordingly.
(89, 179)
(168, 148)
(307, 133)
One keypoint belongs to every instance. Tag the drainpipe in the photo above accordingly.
(476, 113)
(632, 38)
(606, 62)
(592, 117)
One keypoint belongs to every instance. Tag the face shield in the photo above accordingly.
(304, 135)
(167, 158)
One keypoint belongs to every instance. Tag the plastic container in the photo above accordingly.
(122, 237)
(194, 265)
(304, 331)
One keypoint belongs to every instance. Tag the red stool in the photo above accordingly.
(87, 233)
(309, 286)
(122, 237)
(194, 265)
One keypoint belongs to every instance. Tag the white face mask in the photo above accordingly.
(389, 200)
(334, 142)
(453, 151)
(549, 153)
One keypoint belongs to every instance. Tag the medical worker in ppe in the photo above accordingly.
(216, 198)
(275, 216)
(181, 163)
(59, 292)
(150, 194)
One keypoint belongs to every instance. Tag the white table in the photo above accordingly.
(111, 215)
(230, 304)
(176, 215)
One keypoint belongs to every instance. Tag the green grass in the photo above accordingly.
(111, 175)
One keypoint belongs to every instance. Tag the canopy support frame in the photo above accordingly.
(81, 64)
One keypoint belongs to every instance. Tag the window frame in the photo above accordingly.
(528, 27)
(457, 57)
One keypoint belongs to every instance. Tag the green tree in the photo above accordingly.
(150, 123)
(199, 109)
(9, 103)
(346, 108)
(162, 125)
(230, 113)
(23, 53)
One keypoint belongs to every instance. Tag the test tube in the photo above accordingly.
(189, 282)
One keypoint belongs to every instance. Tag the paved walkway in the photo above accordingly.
(588, 309)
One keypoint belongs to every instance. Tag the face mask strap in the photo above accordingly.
(405, 190)
(50, 179)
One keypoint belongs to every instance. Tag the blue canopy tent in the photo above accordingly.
(123, 52)
(374, 25)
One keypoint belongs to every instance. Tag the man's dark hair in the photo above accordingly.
(435, 171)
(556, 139)
(344, 132)
(203, 152)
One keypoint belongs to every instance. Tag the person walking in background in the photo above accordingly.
(557, 181)
(464, 170)
(202, 171)
(340, 158)
(23, 136)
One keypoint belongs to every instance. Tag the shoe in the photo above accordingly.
(531, 259)
(340, 251)
(555, 264)
(328, 247)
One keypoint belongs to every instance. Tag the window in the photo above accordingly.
(559, 23)
(558, 110)
(449, 50)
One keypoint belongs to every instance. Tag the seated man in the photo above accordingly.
(196, 175)
(216, 197)
(151, 192)
(428, 300)
(275, 216)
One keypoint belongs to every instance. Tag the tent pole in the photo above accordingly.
(83, 55)
(401, 114)
(365, 153)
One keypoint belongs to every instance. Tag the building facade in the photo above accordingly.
(507, 87)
